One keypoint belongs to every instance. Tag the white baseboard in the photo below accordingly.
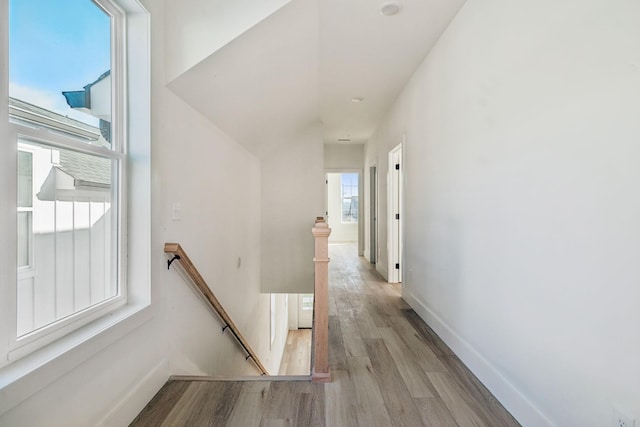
(507, 394)
(137, 398)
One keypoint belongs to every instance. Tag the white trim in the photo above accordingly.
(25, 377)
(394, 235)
(40, 337)
(507, 394)
(59, 140)
(134, 401)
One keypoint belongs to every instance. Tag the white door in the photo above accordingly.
(305, 311)
(394, 244)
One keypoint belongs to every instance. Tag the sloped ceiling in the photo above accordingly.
(198, 28)
(303, 65)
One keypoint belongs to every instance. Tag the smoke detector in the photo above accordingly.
(390, 8)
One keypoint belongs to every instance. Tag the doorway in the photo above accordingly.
(395, 215)
(305, 311)
(373, 214)
(343, 206)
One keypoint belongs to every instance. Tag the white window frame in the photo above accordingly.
(20, 346)
(45, 136)
(70, 347)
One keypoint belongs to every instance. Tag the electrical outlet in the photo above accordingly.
(621, 419)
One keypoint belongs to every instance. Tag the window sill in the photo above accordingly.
(24, 377)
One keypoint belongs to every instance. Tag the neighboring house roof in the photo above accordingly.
(77, 176)
(82, 98)
(86, 170)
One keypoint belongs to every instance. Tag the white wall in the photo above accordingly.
(107, 381)
(292, 197)
(217, 184)
(522, 209)
(293, 311)
(339, 157)
(198, 28)
(340, 231)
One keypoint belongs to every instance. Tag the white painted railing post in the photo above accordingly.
(320, 371)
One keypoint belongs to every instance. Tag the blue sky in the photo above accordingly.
(56, 45)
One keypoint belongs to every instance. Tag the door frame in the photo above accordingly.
(394, 215)
(360, 173)
(373, 214)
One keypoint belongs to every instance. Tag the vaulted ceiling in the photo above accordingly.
(305, 63)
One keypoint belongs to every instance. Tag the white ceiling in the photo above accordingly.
(304, 63)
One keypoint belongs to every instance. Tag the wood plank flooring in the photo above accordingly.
(296, 359)
(388, 368)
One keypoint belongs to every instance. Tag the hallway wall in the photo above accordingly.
(291, 197)
(522, 214)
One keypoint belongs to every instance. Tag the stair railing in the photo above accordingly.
(180, 255)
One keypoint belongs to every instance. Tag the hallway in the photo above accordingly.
(388, 369)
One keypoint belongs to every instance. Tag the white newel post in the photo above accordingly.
(320, 371)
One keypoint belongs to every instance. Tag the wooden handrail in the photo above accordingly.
(179, 254)
(320, 371)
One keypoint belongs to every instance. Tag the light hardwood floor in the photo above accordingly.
(388, 369)
(296, 359)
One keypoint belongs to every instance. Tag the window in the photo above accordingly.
(307, 302)
(349, 187)
(67, 108)
(66, 234)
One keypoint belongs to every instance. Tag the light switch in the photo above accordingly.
(175, 211)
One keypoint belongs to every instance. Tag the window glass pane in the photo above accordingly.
(72, 230)
(59, 66)
(307, 302)
(25, 184)
(25, 300)
(24, 226)
(349, 184)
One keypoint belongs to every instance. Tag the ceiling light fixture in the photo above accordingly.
(357, 99)
(390, 8)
